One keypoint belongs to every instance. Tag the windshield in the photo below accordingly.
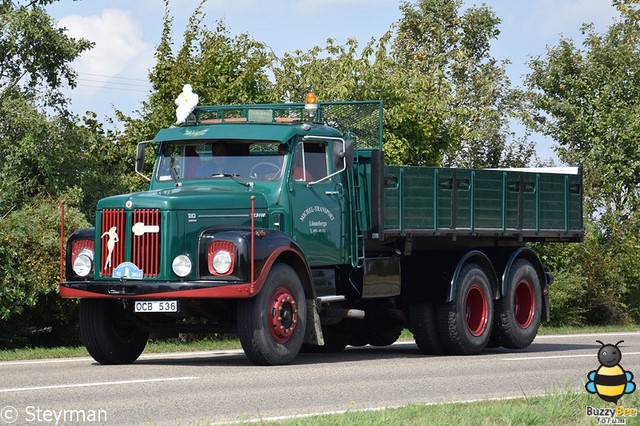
(256, 160)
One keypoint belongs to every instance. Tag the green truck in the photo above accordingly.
(281, 223)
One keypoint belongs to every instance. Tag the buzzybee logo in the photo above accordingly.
(610, 381)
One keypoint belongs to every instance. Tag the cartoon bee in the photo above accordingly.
(610, 381)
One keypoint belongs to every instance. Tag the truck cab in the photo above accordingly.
(233, 192)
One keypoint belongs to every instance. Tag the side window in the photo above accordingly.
(310, 161)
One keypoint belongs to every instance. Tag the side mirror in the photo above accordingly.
(140, 159)
(343, 154)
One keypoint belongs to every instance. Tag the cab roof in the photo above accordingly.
(256, 131)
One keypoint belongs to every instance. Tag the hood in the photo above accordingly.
(185, 198)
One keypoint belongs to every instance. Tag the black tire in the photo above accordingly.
(108, 332)
(271, 325)
(384, 337)
(424, 326)
(464, 324)
(519, 311)
(336, 338)
(359, 337)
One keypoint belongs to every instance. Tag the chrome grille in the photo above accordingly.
(112, 240)
(146, 241)
(143, 240)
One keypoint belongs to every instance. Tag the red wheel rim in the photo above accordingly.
(524, 304)
(476, 310)
(283, 315)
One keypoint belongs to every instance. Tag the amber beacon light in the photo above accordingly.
(311, 104)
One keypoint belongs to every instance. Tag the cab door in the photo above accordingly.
(317, 205)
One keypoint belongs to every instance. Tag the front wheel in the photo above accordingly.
(465, 323)
(519, 311)
(109, 333)
(271, 325)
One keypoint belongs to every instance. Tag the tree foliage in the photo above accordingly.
(597, 281)
(447, 100)
(42, 154)
(46, 155)
(30, 308)
(220, 68)
(35, 55)
(588, 99)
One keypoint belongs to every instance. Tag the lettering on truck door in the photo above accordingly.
(316, 209)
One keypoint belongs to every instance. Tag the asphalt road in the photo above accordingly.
(210, 387)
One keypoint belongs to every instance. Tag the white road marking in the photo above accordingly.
(598, 335)
(142, 357)
(44, 361)
(528, 358)
(87, 385)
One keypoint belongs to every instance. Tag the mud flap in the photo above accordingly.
(313, 334)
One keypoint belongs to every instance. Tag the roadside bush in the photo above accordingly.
(31, 312)
(597, 281)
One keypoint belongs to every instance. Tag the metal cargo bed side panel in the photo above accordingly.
(493, 203)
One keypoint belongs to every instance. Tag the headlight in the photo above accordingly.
(222, 262)
(83, 263)
(221, 257)
(181, 266)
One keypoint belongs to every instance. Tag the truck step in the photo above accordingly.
(334, 316)
(331, 299)
(355, 313)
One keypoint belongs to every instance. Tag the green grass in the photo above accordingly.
(562, 408)
(587, 329)
(166, 346)
(545, 330)
(177, 345)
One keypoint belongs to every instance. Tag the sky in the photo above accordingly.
(113, 75)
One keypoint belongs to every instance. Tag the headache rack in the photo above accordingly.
(360, 120)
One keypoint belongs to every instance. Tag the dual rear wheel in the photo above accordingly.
(471, 321)
(519, 311)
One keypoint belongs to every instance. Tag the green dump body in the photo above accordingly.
(528, 205)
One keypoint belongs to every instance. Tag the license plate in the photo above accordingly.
(156, 306)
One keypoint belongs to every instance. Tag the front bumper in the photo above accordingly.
(158, 289)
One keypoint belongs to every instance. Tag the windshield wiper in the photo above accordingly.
(233, 176)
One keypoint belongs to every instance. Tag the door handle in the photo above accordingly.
(332, 192)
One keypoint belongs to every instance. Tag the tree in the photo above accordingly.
(588, 99)
(447, 101)
(45, 156)
(35, 55)
(221, 69)
(36, 148)
(48, 156)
